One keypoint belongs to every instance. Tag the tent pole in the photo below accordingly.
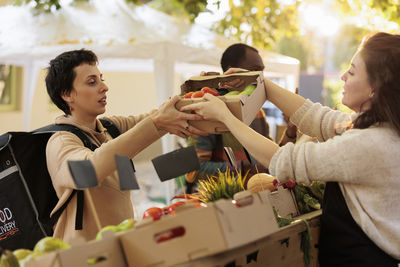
(31, 72)
(164, 70)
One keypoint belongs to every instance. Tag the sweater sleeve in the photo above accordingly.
(126, 123)
(346, 158)
(65, 146)
(319, 121)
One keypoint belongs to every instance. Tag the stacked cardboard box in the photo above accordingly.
(282, 248)
(202, 231)
(284, 201)
(106, 252)
(242, 232)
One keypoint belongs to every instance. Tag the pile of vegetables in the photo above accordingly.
(309, 197)
(220, 91)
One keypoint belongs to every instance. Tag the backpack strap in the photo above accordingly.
(69, 128)
(112, 129)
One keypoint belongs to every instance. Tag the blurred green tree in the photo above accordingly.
(259, 22)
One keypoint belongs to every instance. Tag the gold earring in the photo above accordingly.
(371, 95)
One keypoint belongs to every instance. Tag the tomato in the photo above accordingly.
(169, 234)
(165, 210)
(206, 90)
(197, 94)
(172, 207)
(154, 212)
(188, 95)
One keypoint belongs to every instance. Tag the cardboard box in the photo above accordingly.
(281, 248)
(285, 202)
(244, 107)
(106, 251)
(202, 231)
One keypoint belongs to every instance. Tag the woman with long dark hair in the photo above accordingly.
(357, 155)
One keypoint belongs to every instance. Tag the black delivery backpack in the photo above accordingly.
(27, 196)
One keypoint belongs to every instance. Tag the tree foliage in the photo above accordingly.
(255, 22)
(389, 9)
(183, 8)
(189, 9)
(300, 47)
(345, 45)
(259, 22)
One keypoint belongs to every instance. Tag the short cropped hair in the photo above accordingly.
(61, 75)
(233, 55)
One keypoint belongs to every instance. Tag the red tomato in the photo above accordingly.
(206, 90)
(169, 234)
(197, 94)
(154, 212)
(188, 95)
(165, 210)
(172, 207)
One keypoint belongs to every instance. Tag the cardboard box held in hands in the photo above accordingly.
(244, 107)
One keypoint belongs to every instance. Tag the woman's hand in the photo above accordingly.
(211, 109)
(169, 119)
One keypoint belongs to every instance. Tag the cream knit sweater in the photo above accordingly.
(365, 162)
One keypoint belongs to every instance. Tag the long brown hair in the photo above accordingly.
(381, 54)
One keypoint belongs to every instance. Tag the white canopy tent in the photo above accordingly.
(119, 33)
(124, 36)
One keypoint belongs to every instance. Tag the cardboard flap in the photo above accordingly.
(83, 173)
(176, 163)
(126, 173)
(197, 82)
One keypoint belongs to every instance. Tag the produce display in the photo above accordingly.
(198, 94)
(19, 257)
(224, 185)
(309, 197)
(220, 91)
(260, 182)
(8, 259)
(123, 226)
(157, 213)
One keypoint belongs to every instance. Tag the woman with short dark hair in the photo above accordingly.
(76, 86)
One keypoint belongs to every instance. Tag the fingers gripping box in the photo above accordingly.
(244, 107)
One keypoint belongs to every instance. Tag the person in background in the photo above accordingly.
(357, 155)
(76, 85)
(210, 148)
